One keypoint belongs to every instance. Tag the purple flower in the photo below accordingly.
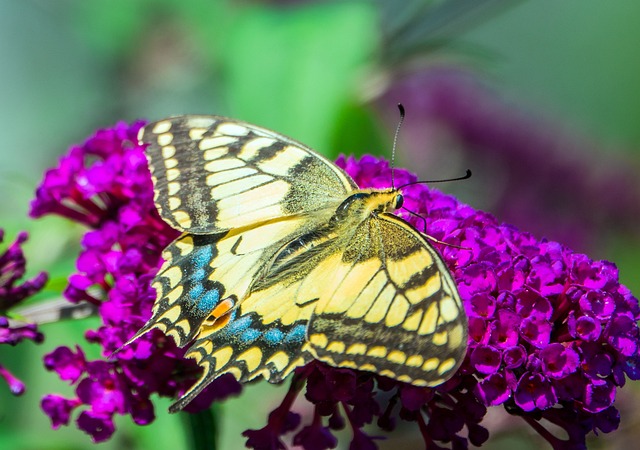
(99, 426)
(558, 361)
(12, 269)
(361, 441)
(105, 184)
(69, 365)
(514, 357)
(58, 409)
(585, 327)
(280, 421)
(529, 347)
(599, 395)
(534, 391)
(103, 389)
(485, 359)
(315, 436)
(494, 390)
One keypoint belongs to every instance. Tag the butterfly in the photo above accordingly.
(283, 259)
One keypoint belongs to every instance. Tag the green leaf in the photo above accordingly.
(201, 429)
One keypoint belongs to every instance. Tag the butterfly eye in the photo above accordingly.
(399, 201)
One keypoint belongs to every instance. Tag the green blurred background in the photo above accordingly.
(317, 71)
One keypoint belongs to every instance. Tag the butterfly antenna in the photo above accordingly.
(466, 176)
(395, 143)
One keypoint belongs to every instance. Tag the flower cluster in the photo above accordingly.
(12, 269)
(552, 335)
(105, 184)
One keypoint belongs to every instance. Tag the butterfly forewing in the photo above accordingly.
(282, 259)
(213, 174)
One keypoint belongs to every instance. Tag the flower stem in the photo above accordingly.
(202, 429)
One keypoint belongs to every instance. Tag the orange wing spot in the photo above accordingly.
(223, 308)
(218, 317)
(213, 324)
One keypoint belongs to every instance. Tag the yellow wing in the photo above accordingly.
(212, 174)
(241, 194)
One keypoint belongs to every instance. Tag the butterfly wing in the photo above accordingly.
(212, 174)
(202, 290)
(395, 309)
(266, 334)
(247, 347)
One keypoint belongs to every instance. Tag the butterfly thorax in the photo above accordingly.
(299, 256)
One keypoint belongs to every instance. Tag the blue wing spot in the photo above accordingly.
(237, 326)
(273, 336)
(202, 256)
(198, 275)
(196, 291)
(250, 336)
(296, 335)
(209, 300)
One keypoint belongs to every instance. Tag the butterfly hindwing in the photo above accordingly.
(267, 332)
(205, 272)
(212, 174)
(246, 348)
(185, 294)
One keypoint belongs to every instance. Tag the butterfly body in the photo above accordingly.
(283, 259)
